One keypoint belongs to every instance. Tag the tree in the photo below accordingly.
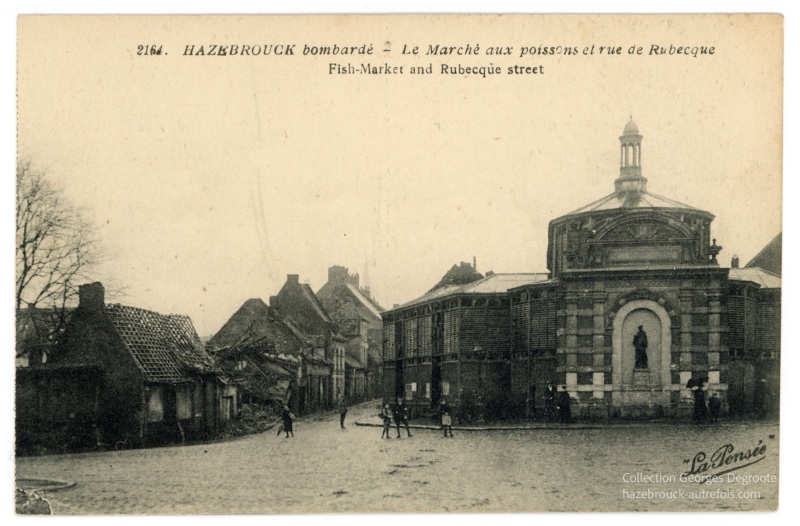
(57, 247)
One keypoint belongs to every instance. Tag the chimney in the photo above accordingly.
(293, 278)
(92, 296)
(475, 263)
(337, 274)
(273, 302)
(735, 262)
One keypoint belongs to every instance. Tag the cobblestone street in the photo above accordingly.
(328, 470)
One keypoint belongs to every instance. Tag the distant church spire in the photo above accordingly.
(365, 282)
(630, 161)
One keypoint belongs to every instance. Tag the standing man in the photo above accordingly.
(342, 412)
(700, 409)
(714, 406)
(550, 403)
(447, 418)
(564, 411)
(400, 413)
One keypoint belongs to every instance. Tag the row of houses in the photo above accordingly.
(327, 344)
(108, 375)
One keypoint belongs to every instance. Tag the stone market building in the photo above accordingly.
(453, 343)
(629, 268)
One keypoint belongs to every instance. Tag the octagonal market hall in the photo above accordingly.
(634, 312)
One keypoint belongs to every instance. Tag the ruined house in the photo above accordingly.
(271, 360)
(123, 375)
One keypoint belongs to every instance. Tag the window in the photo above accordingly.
(427, 390)
(155, 406)
(445, 388)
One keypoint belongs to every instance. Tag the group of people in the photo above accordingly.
(556, 404)
(397, 413)
(703, 413)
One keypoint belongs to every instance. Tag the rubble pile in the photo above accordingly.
(252, 418)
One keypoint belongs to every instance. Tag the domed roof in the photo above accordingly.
(631, 200)
(631, 128)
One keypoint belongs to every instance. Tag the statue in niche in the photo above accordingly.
(640, 344)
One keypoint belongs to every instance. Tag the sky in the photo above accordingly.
(212, 178)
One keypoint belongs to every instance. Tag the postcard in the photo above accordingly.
(351, 264)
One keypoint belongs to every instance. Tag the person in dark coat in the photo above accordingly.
(550, 403)
(342, 412)
(400, 415)
(714, 406)
(447, 417)
(564, 411)
(287, 417)
(700, 409)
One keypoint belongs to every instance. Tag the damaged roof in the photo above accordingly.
(256, 324)
(165, 347)
(258, 373)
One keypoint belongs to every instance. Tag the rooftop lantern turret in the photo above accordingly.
(630, 178)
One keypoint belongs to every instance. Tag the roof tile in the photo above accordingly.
(165, 347)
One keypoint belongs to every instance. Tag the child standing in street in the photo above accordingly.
(400, 414)
(287, 418)
(447, 418)
(386, 415)
(342, 412)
